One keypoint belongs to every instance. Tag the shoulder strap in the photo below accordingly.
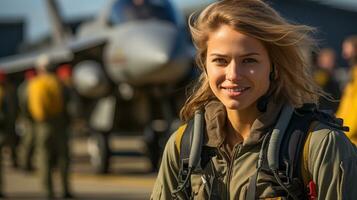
(183, 146)
(189, 140)
(295, 146)
(293, 143)
(285, 149)
(277, 136)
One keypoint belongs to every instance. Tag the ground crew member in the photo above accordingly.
(4, 132)
(253, 68)
(46, 108)
(348, 105)
(27, 145)
(326, 76)
(71, 98)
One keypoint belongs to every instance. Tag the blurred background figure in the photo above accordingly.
(71, 98)
(326, 76)
(46, 105)
(8, 136)
(27, 144)
(4, 114)
(348, 105)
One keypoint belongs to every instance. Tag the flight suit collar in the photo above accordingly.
(216, 116)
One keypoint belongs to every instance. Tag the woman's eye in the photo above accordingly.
(249, 60)
(220, 61)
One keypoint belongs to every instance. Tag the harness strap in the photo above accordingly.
(290, 151)
(185, 141)
(183, 138)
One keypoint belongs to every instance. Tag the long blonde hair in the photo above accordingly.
(284, 41)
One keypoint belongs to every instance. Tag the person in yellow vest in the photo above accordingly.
(325, 74)
(46, 108)
(348, 104)
(27, 144)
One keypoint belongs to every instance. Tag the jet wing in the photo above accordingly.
(84, 44)
(56, 54)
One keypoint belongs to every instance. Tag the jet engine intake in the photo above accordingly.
(90, 80)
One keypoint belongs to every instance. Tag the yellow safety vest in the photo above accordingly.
(348, 107)
(45, 97)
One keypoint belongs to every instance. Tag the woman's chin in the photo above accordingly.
(236, 105)
(233, 105)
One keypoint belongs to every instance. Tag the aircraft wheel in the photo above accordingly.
(98, 148)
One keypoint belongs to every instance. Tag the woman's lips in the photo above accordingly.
(235, 91)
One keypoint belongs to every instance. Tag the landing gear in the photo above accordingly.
(156, 135)
(98, 148)
(158, 131)
(155, 138)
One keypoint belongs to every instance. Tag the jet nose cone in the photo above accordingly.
(155, 57)
(152, 47)
(148, 48)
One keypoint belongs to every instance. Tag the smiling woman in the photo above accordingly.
(238, 68)
(252, 119)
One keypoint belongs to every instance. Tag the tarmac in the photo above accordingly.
(129, 178)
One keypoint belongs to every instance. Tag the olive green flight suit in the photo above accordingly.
(27, 144)
(331, 161)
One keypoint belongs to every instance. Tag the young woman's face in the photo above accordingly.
(238, 68)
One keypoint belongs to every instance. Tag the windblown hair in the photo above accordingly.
(285, 42)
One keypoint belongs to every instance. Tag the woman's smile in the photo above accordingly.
(238, 68)
(234, 91)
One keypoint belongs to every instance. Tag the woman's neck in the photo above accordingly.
(240, 121)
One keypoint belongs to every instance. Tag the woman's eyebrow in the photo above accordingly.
(244, 55)
(250, 54)
(217, 55)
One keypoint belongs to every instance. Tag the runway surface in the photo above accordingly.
(129, 177)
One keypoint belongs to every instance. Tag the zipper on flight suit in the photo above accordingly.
(236, 152)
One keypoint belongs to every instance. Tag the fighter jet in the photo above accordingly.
(127, 66)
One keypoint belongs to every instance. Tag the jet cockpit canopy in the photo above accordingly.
(130, 10)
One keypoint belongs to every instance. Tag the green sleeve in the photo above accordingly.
(333, 164)
(167, 179)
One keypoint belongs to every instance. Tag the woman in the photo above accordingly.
(252, 66)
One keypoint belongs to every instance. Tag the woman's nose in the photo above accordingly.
(233, 72)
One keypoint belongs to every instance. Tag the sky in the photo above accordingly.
(35, 15)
